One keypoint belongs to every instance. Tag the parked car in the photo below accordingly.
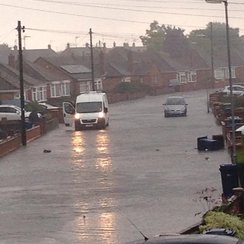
(47, 106)
(237, 90)
(190, 239)
(175, 106)
(11, 112)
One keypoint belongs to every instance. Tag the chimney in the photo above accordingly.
(11, 60)
(114, 44)
(104, 45)
(49, 46)
(67, 46)
(130, 62)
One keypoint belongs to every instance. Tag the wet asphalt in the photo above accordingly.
(102, 186)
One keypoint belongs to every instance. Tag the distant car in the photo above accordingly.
(11, 112)
(191, 239)
(237, 90)
(175, 106)
(47, 106)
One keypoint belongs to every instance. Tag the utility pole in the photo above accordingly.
(212, 64)
(21, 80)
(92, 63)
(212, 59)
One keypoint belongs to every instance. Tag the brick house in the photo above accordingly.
(10, 84)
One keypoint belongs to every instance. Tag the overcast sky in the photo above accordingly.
(58, 22)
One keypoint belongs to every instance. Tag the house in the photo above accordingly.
(72, 77)
(220, 64)
(65, 75)
(10, 84)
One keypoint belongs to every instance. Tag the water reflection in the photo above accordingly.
(92, 160)
(104, 161)
(97, 228)
(78, 142)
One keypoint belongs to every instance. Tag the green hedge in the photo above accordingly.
(215, 219)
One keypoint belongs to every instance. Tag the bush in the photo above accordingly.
(215, 219)
(240, 156)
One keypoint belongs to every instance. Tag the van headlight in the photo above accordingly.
(77, 116)
(101, 115)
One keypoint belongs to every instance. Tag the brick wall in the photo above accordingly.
(13, 143)
(9, 145)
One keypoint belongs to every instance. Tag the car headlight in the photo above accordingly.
(101, 115)
(77, 116)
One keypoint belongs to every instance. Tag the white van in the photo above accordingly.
(90, 110)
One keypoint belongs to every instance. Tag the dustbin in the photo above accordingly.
(200, 143)
(229, 178)
(240, 173)
(220, 141)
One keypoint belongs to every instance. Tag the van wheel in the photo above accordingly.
(77, 126)
(102, 126)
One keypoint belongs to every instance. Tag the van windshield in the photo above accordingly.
(89, 107)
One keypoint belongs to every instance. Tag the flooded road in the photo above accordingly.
(96, 185)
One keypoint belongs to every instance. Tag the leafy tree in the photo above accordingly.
(175, 43)
(165, 38)
(202, 37)
(154, 37)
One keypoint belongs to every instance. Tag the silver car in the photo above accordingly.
(237, 90)
(175, 106)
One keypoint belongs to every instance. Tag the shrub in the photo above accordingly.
(214, 219)
(240, 156)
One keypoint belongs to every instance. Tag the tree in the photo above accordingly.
(202, 37)
(175, 43)
(154, 37)
(165, 38)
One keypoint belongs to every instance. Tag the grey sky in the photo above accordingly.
(69, 21)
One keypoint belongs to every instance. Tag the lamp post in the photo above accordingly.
(233, 151)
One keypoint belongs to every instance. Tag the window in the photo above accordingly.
(85, 86)
(126, 79)
(155, 79)
(223, 73)
(65, 88)
(8, 110)
(60, 88)
(192, 76)
(182, 77)
(39, 93)
(17, 95)
(55, 89)
(99, 84)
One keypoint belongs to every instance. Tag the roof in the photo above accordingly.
(66, 66)
(75, 69)
(33, 54)
(10, 76)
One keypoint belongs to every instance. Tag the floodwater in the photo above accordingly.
(105, 186)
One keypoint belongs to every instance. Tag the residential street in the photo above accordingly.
(92, 185)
